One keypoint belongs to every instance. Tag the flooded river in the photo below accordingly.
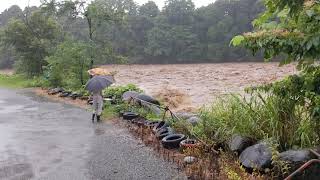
(199, 84)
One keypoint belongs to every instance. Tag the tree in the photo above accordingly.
(290, 28)
(13, 12)
(68, 65)
(223, 20)
(97, 13)
(33, 39)
(8, 57)
(177, 43)
(159, 43)
(129, 32)
(179, 12)
(149, 9)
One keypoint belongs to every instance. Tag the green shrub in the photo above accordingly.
(38, 82)
(116, 92)
(68, 66)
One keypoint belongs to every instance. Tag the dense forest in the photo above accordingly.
(179, 33)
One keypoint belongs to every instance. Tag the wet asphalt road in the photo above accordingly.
(47, 140)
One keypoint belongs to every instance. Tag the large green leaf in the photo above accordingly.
(237, 40)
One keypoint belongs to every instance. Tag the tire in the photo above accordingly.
(66, 94)
(151, 124)
(189, 143)
(160, 125)
(130, 115)
(55, 91)
(172, 141)
(161, 136)
(164, 132)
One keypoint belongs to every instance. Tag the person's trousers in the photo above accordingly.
(97, 105)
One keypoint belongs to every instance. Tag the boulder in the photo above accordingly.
(153, 109)
(129, 94)
(147, 98)
(256, 157)
(239, 143)
(194, 120)
(296, 157)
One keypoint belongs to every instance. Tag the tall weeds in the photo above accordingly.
(259, 116)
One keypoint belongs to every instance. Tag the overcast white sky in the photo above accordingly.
(4, 4)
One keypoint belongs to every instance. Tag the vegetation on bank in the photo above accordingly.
(13, 81)
(20, 81)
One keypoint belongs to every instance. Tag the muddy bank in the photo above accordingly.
(77, 102)
(199, 84)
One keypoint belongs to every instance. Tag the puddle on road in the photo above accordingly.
(4, 137)
(7, 109)
(99, 132)
(31, 109)
(11, 109)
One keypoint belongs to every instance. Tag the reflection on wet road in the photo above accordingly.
(46, 140)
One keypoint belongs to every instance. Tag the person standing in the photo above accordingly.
(99, 80)
(97, 105)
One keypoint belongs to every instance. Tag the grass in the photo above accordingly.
(259, 117)
(14, 81)
(109, 112)
(18, 81)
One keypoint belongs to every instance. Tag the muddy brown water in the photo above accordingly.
(199, 84)
(41, 139)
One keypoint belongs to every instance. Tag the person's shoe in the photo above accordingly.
(98, 118)
(93, 115)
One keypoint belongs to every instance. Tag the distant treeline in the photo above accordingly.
(179, 33)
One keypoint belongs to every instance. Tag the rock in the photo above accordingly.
(189, 159)
(194, 120)
(256, 157)
(185, 115)
(147, 99)
(239, 143)
(127, 96)
(153, 109)
(296, 157)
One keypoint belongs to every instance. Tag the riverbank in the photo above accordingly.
(77, 102)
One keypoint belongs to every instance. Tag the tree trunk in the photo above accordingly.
(91, 41)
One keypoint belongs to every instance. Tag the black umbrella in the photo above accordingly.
(98, 83)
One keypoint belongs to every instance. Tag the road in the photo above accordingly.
(40, 139)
